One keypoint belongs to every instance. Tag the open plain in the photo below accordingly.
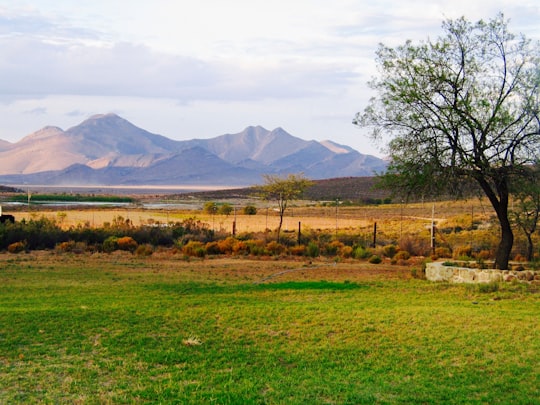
(116, 327)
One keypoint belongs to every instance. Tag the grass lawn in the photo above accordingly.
(121, 329)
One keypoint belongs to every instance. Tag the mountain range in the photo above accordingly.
(109, 150)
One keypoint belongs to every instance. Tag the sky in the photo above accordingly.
(202, 68)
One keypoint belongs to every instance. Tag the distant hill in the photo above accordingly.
(109, 150)
(356, 189)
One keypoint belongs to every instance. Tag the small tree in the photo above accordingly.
(210, 207)
(250, 210)
(463, 107)
(283, 190)
(225, 209)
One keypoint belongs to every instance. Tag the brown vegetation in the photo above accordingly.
(464, 229)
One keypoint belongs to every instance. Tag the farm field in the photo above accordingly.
(310, 215)
(467, 224)
(117, 328)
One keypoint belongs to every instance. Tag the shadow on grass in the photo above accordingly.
(311, 285)
(200, 288)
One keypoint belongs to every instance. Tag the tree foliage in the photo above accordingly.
(463, 107)
(283, 190)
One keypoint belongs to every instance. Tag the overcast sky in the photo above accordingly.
(202, 68)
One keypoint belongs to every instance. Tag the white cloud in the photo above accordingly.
(207, 67)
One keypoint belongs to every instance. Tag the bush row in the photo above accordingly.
(192, 237)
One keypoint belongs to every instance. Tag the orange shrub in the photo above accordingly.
(71, 246)
(225, 246)
(65, 246)
(298, 250)
(127, 243)
(240, 247)
(275, 248)
(212, 248)
(332, 248)
(17, 247)
(346, 251)
(402, 255)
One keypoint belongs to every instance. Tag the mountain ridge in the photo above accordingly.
(114, 151)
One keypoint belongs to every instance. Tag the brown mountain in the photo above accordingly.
(107, 149)
(99, 141)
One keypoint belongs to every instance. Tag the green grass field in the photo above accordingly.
(115, 328)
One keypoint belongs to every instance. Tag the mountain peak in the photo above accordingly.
(126, 153)
(44, 133)
(102, 120)
(104, 116)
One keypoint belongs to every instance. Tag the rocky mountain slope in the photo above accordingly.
(109, 150)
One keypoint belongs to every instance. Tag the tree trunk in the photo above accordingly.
(499, 202)
(504, 249)
(279, 226)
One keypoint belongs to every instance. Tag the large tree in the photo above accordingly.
(283, 190)
(462, 107)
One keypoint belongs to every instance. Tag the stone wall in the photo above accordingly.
(453, 274)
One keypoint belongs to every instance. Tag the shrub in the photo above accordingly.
(375, 259)
(110, 244)
(332, 248)
(415, 245)
(127, 243)
(402, 255)
(346, 251)
(210, 207)
(361, 253)
(225, 209)
(144, 250)
(275, 248)
(250, 210)
(226, 246)
(65, 246)
(313, 249)
(17, 247)
(71, 246)
(255, 247)
(240, 247)
(390, 250)
(194, 248)
(298, 250)
(212, 248)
